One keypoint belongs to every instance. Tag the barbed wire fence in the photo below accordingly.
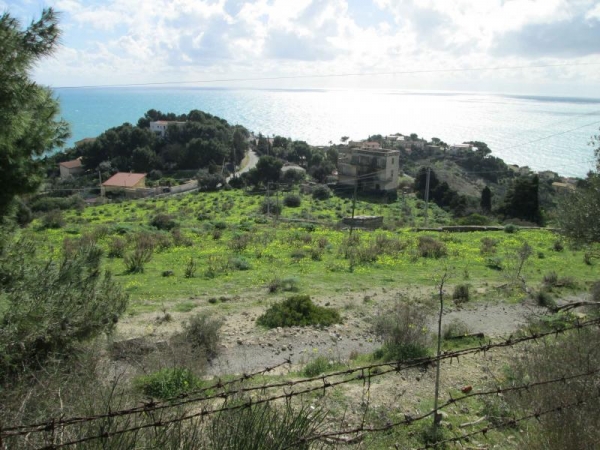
(240, 393)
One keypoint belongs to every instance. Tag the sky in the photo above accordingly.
(437, 45)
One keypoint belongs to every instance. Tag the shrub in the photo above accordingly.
(203, 333)
(321, 192)
(318, 366)
(403, 330)
(116, 247)
(550, 279)
(137, 259)
(163, 222)
(265, 426)
(239, 264)
(510, 228)
(454, 329)
(190, 268)
(288, 284)
(270, 206)
(239, 242)
(49, 306)
(53, 219)
(180, 239)
(558, 246)
(298, 310)
(488, 246)
(292, 201)
(562, 357)
(460, 294)
(167, 383)
(544, 298)
(595, 291)
(428, 247)
(495, 263)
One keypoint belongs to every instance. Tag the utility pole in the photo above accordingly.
(353, 206)
(278, 208)
(427, 197)
(268, 199)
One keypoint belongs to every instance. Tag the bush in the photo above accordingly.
(270, 206)
(298, 310)
(510, 228)
(239, 264)
(551, 279)
(488, 246)
(404, 332)
(167, 383)
(116, 247)
(461, 294)
(137, 259)
(544, 298)
(163, 222)
(288, 284)
(190, 269)
(454, 329)
(321, 192)
(203, 333)
(560, 358)
(595, 291)
(558, 246)
(428, 247)
(292, 201)
(474, 219)
(318, 366)
(49, 306)
(239, 242)
(53, 219)
(495, 263)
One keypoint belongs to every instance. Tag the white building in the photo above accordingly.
(160, 126)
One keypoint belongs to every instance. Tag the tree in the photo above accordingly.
(28, 112)
(268, 169)
(344, 139)
(578, 211)
(521, 201)
(486, 199)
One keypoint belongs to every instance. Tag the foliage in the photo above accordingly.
(53, 219)
(522, 200)
(53, 304)
(461, 293)
(474, 219)
(439, 192)
(288, 284)
(298, 310)
(163, 222)
(265, 426)
(292, 201)
(318, 366)
(578, 212)
(268, 169)
(27, 111)
(202, 332)
(208, 182)
(321, 192)
(572, 354)
(144, 248)
(404, 332)
(167, 383)
(428, 247)
(486, 199)
(271, 206)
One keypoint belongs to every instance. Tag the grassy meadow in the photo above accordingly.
(221, 244)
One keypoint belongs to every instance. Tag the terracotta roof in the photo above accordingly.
(124, 179)
(71, 164)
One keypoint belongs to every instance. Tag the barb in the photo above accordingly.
(410, 420)
(327, 382)
(512, 422)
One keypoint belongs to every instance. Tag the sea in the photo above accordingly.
(544, 133)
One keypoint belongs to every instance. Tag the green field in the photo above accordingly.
(236, 248)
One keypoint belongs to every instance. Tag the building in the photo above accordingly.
(458, 148)
(370, 168)
(69, 169)
(124, 181)
(160, 126)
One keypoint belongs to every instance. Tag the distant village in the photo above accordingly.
(373, 164)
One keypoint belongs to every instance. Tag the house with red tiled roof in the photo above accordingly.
(70, 168)
(125, 180)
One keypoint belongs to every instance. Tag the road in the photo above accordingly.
(252, 160)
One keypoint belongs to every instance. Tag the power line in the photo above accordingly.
(338, 75)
